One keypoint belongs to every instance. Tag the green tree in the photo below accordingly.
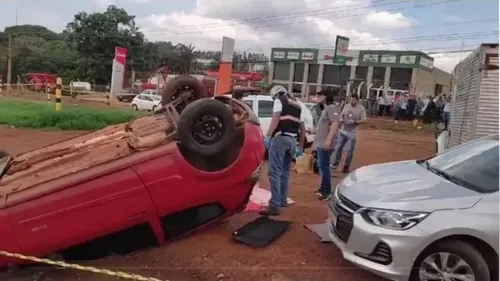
(95, 37)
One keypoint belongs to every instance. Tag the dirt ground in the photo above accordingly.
(210, 254)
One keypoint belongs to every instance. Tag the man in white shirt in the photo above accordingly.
(388, 104)
(286, 125)
(381, 105)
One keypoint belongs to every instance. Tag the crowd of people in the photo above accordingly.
(336, 123)
(336, 129)
(408, 107)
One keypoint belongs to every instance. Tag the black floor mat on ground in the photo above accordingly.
(261, 231)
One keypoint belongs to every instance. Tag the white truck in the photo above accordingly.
(475, 98)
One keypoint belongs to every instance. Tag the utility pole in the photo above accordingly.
(9, 63)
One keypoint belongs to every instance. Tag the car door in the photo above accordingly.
(148, 102)
(83, 212)
(265, 113)
(139, 101)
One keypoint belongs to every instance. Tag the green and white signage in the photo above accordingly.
(294, 54)
(399, 59)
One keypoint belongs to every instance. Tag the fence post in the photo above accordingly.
(58, 93)
(47, 91)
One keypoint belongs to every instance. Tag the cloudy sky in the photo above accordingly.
(433, 26)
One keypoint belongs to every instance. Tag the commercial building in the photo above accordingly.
(366, 71)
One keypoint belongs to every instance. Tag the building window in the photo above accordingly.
(313, 73)
(265, 108)
(378, 77)
(297, 87)
(332, 76)
(282, 71)
(361, 72)
(298, 75)
(400, 78)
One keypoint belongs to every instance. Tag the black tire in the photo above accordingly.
(179, 84)
(134, 107)
(461, 249)
(201, 113)
(153, 108)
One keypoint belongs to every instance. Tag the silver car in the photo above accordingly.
(427, 220)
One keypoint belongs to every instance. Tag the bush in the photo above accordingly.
(27, 114)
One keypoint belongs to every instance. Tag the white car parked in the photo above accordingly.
(262, 106)
(146, 102)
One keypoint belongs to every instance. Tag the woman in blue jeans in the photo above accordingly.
(326, 129)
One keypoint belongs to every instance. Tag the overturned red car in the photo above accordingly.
(129, 186)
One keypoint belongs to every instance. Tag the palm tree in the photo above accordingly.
(187, 55)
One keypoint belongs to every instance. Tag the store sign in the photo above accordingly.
(307, 56)
(341, 50)
(292, 55)
(279, 55)
(426, 62)
(407, 59)
(370, 58)
(388, 59)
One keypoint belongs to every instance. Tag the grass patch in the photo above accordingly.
(28, 114)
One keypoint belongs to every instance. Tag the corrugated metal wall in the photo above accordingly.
(487, 110)
(465, 98)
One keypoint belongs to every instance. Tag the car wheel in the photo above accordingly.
(451, 260)
(206, 127)
(179, 85)
(154, 108)
(134, 107)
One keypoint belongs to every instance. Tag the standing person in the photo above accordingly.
(372, 104)
(446, 112)
(429, 111)
(419, 107)
(352, 115)
(412, 103)
(281, 141)
(381, 105)
(326, 130)
(388, 104)
(401, 108)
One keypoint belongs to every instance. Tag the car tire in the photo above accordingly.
(179, 84)
(153, 108)
(460, 249)
(200, 114)
(134, 107)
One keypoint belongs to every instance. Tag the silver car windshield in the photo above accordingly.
(473, 165)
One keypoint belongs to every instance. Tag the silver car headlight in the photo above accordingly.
(395, 220)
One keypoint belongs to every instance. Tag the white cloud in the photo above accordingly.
(103, 3)
(212, 19)
(278, 23)
(448, 61)
(387, 20)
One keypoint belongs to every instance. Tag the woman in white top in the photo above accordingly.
(447, 112)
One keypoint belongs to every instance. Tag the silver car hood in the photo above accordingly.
(404, 186)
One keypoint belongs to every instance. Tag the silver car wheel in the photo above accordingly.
(445, 267)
